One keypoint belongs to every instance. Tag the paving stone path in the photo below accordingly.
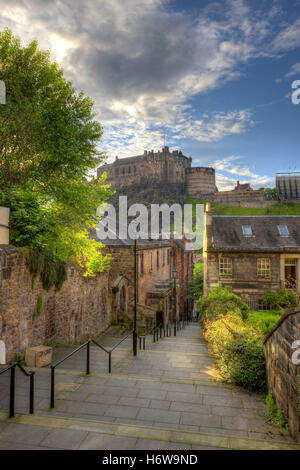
(165, 398)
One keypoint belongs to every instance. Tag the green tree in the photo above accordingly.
(48, 149)
(196, 284)
(271, 193)
(47, 130)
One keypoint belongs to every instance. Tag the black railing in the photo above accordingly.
(87, 344)
(12, 393)
(159, 331)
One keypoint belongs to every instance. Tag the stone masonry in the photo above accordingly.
(174, 167)
(283, 374)
(80, 309)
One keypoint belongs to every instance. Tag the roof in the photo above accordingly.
(227, 233)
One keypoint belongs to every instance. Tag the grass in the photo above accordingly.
(265, 320)
(223, 209)
(275, 415)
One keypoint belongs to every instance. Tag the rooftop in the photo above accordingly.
(268, 233)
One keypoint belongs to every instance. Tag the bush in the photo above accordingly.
(238, 348)
(219, 301)
(282, 298)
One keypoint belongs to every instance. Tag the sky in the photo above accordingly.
(212, 78)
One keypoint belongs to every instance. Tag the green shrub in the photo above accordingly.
(275, 415)
(196, 284)
(282, 298)
(53, 272)
(238, 348)
(219, 301)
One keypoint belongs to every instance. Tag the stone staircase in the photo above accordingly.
(164, 399)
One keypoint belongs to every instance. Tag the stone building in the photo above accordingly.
(251, 254)
(164, 166)
(160, 298)
(175, 168)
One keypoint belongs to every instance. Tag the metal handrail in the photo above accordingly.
(87, 344)
(12, 368)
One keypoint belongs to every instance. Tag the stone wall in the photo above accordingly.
(281, 372)
(241, 198)
(79, 310)
(244, 282)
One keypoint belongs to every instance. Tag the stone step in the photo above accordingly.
(78, 373)
(148, 433)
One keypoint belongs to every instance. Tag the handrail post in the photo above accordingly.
(144, 343)
(109, 362)
(31, 398)
(12, 392)
(154, 335)
(175, 328)
(52, 386)
(88, 358)
(160, 327)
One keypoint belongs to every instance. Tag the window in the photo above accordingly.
(134, 169)
(283, 230)
(247, 230)
(225, 267)
(117, 171)
(264, 268)
(123, 171)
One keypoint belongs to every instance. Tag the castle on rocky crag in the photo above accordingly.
(174, 167)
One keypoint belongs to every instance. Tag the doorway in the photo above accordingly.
(290, 274)
(159, 317)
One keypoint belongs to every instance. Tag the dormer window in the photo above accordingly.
(283, 230)
(247, 230)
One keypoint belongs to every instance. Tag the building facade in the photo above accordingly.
(164, 166)
(160, 295)
(252, 254)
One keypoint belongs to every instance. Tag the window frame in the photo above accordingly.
(285, 227)
(247, 227)
(225, 264)
(263, 268)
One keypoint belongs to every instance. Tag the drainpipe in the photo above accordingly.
(4, 227)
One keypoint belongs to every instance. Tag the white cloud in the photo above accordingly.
(288, 38)
(228, 165)
(143, 63)
(294, 70)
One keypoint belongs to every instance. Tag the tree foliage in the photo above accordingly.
(48, 148)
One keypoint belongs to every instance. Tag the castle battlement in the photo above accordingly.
(173, 167)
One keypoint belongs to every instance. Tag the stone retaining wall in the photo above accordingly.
(79, 310)
(283, 375)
